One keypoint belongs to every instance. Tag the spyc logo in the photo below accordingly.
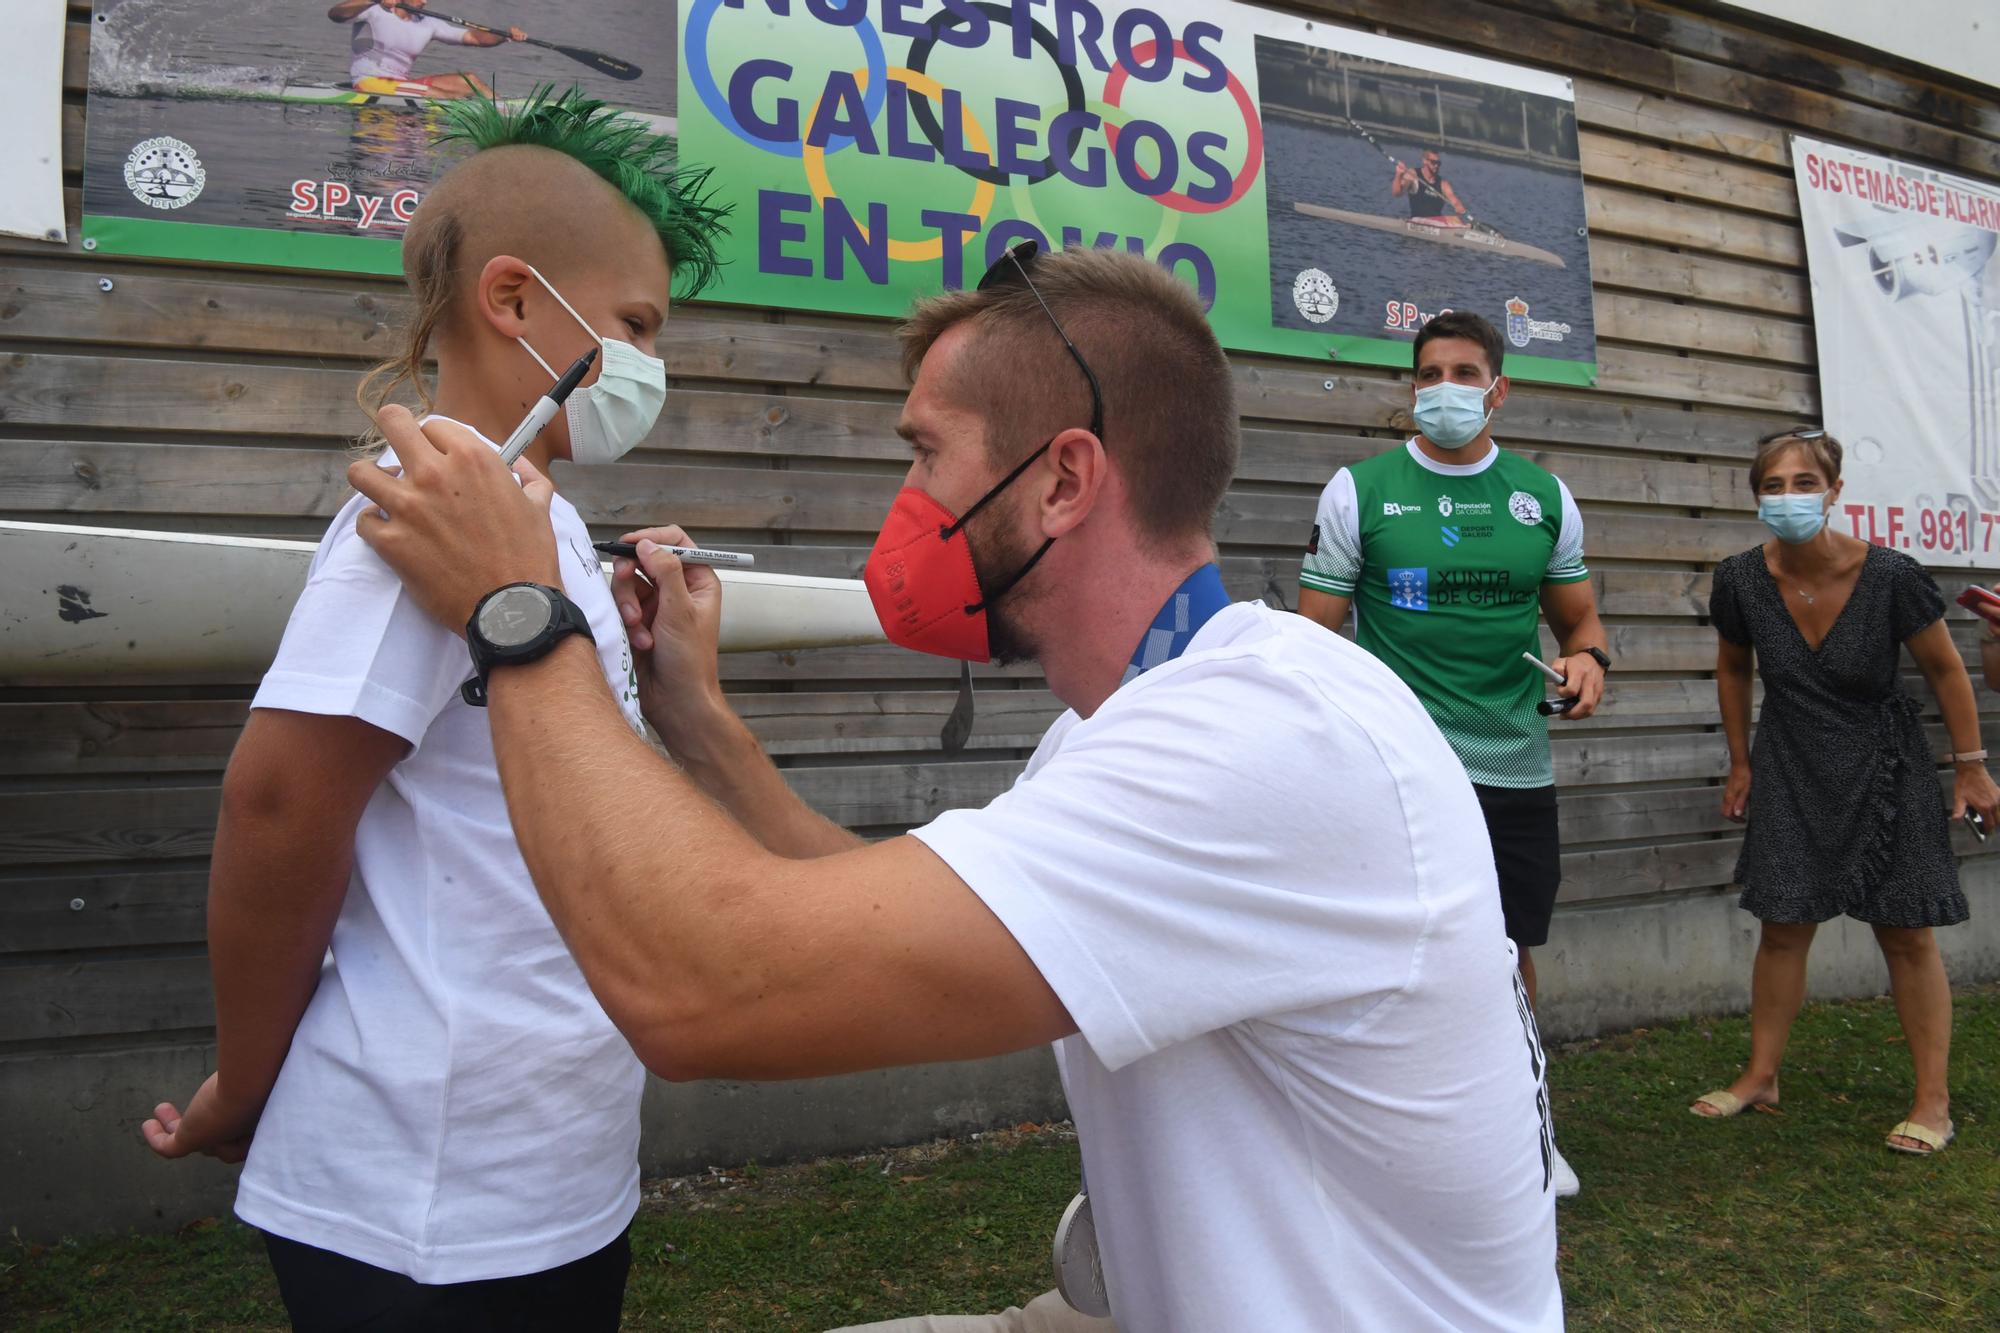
(1517, 323)
(164, 173)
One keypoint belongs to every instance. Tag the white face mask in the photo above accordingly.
(608, 418)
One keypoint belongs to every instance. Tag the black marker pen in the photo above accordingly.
(545, 409)
(691, 555)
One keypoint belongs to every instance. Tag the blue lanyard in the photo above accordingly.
(1180, 619)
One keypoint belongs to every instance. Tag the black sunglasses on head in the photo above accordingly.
(1013, 266)
(1793, 433)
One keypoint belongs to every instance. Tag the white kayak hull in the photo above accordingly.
(1470, 238)
(78, 602)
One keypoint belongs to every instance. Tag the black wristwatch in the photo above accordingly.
(518, 623)
(1603, 658)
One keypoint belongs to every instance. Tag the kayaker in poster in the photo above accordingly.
(389, 35)
(1429, 193)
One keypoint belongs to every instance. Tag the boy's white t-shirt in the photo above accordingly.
(455, 1105)
(385, 46)
(1307, 1093)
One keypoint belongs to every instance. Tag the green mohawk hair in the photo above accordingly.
(641, 165)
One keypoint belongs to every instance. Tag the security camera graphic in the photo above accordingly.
(1908, 258)
(1926, 257)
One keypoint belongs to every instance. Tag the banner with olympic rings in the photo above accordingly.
(1325, 191)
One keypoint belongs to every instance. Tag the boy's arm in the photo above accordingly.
(284, 847)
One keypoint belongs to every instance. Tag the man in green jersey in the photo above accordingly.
(1451, 549)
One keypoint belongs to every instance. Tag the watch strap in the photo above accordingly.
(1603, 658)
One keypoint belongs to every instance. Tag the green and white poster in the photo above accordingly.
(1326, 191)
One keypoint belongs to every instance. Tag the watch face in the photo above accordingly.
(514, 616)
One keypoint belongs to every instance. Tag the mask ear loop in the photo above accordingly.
(547, 369)
(953, 529)
(565, 305)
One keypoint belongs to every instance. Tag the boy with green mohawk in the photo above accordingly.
(441, 1124)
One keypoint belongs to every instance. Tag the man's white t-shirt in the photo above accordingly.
(1308, 1095)
(385, 46)
(455, 1105)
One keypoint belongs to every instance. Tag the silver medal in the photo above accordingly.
(1079, 1270)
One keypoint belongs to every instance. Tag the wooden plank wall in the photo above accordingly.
(217, 399)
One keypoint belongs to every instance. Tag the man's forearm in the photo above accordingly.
(726, 761)
(645, 877)
(1587, 632)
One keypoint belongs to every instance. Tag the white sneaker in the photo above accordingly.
(1564, 1179)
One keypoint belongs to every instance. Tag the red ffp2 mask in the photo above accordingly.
(922, 580)
(925, 589)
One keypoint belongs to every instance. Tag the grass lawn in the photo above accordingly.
(1800, 1220)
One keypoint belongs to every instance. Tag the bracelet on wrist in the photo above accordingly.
(1969, 757)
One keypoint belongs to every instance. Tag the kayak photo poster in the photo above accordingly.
(240, 133)
(875, 152)
(1906, 310)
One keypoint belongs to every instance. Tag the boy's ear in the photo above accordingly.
(501, 296)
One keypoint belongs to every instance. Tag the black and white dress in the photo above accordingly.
(1845, 811)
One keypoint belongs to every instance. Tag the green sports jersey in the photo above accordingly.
(1445, 565)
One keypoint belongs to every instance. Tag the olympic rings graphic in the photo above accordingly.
(919, 60)
(982, 197)
(702, 12)
(1023, 198)
(1253, 129)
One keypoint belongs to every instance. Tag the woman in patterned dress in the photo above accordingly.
(1844, 814)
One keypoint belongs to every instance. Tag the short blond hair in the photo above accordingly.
(1819, 446)
(1170, 422)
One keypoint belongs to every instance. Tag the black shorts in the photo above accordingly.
(324, 1291)
(1527, 852)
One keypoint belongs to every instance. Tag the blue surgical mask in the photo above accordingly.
(1452, 415)
(1793, 518)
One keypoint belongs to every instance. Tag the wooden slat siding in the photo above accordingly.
(119, 910)
(168, 910)
(195, 736)
(219, 397)
(136, 406)
(175, 819)
(1714, 37)
(1647, 217)
(1700, 177)
(1644, 115)
(1638, 319)
(125, 909)
(217, 402)
(1633, 266)
(158, 308)
(90, 482)
(111, 994)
